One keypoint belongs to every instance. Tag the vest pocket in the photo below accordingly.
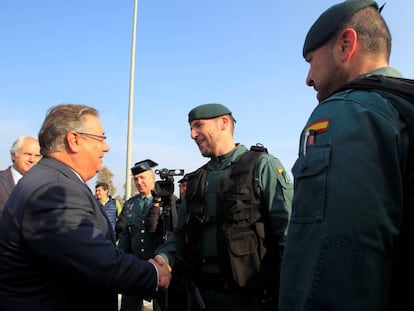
(244, 258)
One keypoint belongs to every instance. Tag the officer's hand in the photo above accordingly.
(164, 272)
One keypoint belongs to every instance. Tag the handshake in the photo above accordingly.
(164, 272)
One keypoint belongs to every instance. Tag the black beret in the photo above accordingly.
(331, 21)
(208, 111)
(142, 166)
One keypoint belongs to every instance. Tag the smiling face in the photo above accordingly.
(92, 148)
(214, 137)
(206, 134)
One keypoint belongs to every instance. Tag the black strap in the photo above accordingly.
(384, 85)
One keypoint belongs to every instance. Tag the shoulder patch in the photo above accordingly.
(318, 126)
(283, 173)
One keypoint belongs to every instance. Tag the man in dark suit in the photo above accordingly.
(24, 153)
(56, 244)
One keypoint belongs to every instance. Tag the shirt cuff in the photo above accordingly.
(158, 275)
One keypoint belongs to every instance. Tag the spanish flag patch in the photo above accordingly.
(282, 173)
(318, 126)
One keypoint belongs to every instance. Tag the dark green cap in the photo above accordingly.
(142, 166)
(185, 178)
(331, 21)
(208, 111)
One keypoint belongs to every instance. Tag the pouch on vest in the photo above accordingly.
(244, 258)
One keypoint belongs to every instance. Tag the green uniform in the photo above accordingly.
(137, 238)
(218, 289)
(347, 207)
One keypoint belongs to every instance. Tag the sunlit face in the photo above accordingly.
(145, 182)
(206, 134)
(27, 156)
(101, 194)
(92, 148)
(325, 73)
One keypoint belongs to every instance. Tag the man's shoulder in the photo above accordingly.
(133, 198)
(258, 151)
(6, 181)
(6, 172)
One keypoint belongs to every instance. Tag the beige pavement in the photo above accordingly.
(147, 306)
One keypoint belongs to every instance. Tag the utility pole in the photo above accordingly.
(131, 104)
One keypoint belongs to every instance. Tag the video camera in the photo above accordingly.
(165, 186)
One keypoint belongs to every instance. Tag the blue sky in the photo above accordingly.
(244, 54)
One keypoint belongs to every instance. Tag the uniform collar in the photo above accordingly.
(385, 71)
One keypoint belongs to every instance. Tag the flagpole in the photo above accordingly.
(131, 105)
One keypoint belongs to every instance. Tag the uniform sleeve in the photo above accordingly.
(276, 191)
(175, 243)
(122, 231)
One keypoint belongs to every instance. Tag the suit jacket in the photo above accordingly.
(57, 248)
(6, 186)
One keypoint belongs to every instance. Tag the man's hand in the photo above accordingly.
(164, 272)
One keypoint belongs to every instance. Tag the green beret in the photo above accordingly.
(331, 21)
(207, 111)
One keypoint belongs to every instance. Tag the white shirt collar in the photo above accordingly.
(16, 175)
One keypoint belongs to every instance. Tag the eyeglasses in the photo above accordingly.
(101, 138)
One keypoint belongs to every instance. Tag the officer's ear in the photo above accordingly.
(224, 122)
(347, 43)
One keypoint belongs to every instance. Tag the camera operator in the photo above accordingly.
(169, 204)
(182, 184)
(143, 230)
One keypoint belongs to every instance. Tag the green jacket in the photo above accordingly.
(275, 190)
(136, 236)
(347, 205)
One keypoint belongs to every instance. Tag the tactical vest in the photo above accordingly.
(240, 221)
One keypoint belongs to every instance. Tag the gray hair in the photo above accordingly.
(18, 143)
(60, 120)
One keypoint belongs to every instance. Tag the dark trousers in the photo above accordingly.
(136, 303)
(176, 295)
(131, 303)
(230, 301)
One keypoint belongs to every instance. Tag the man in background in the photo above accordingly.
(25, 152)
(182, 187)
(142, 231)
(111, 206)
